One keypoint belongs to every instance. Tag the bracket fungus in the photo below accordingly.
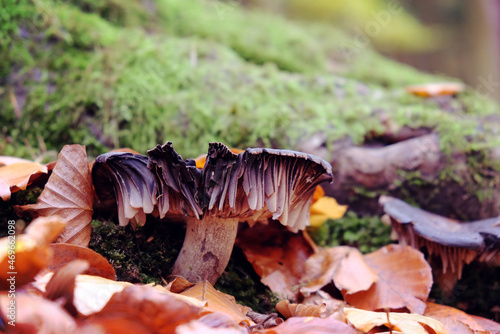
(455, 243)
(251, 186)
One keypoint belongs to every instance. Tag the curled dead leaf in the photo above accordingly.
(62, 284)
(404, 322)
(29, 252)
(34, 314)
(68, 193)
(277, 255)
(456, 321)
(404, 280)
(18, 175)
(159, 312)
(343, 265)
(65, 253)
(289, 310)
(436, 89)
(217, 301)
(310, 325)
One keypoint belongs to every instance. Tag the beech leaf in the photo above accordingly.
(17, 176)
(344, 265)
(277, 255)
(310, 325)
(31, 250)
(404, 322)
(456, 321)
(217, 301)
(404, 280)
(68, 193)
(65, 253)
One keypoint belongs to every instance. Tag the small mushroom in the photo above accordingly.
(254, 185)
(455, 243)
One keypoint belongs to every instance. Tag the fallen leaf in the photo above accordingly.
(265, 320)
(289, 310)
(68, 193)
(91, 293)
(487, 324)
(34, 314)
(404, 322)
(436, 89)
(158, 312)
(450, 316)
(29, 252)
(17, 176)
(216, 323)
(343, 265)
(404, 280)
(217, 301)
(310, 325)
(277, 255)
(326, 208)
(62, 284)
(334, 307)
(65, 253)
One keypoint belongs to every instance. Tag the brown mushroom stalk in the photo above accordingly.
(207, 248)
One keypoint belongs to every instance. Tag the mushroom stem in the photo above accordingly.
(207, 248)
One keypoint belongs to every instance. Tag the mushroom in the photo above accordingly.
(455, 243)
(254, 185)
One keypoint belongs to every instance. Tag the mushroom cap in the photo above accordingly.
(256, 184)
(453, 241)
(126, 178)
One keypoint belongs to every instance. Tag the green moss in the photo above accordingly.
(107, 74)
(140, 255)
(366, 233)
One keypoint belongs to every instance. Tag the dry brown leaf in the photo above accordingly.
(404, 280)
(216, 322)
(436, 89)
(156, 311)
(277, 255)
(333, 306)
(65, 253)
(34, 314)
(62, 284)
(68, 193)
(404, 322)
(451, 318)
(310, 325)
(325, 208)
(17, 176)
(31, 252)
(487, 324)
(289, 310)
(113, 324)
(217, 301)
(344, 265)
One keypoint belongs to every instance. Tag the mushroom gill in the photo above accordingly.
(454, 243)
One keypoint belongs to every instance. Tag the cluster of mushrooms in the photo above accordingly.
(251, 186)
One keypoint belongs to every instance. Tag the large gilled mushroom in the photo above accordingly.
(254, 185)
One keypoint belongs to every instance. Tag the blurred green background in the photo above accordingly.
(108, 73)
